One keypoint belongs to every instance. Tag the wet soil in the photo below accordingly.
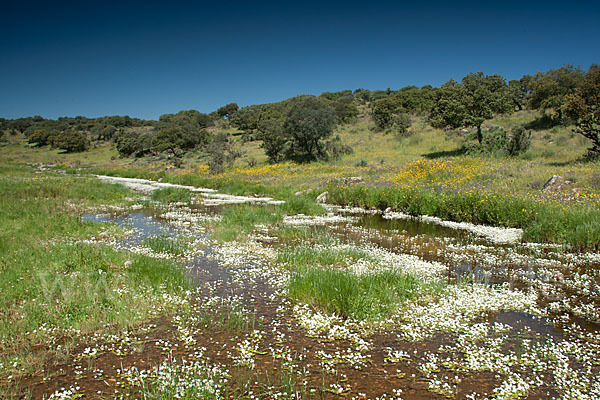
(284, 338)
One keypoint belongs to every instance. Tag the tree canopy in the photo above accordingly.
(307, 123)
(584, 108)
(549, 89)
(71, 141)
(471, 102)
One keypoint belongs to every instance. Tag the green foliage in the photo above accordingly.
(227, 110)
(450, 110)
(362, 163)
(494, 143)
(335, 149)
(335, 96)
(172, 195)
(184, 130)
(237, 221)
(362, 95)
(469, 104)
(40, 138)
(166, 244)
(221, 153)
(550, 89)
(301, 205)
(308, 122)
(21, 124)
(246, 119)
(107, 132)
(388, 113)
(132, 143)
(415, 100)
(518, 142)
(296, 129)
(173, 139)
(368, 296)
(345, 109)
(540, 222)
(270, 131)
(70, 141)
(497, 142)
(323, 256)
(517, 92)
(584, 108)
(61, 285)
(188, 120)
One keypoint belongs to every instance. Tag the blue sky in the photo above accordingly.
(149, 58)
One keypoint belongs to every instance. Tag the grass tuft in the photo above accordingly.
(368, 296)
(172, 195)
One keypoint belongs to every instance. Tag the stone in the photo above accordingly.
(353, 180)
(322, 198)
(554, 184)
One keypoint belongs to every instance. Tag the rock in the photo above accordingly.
(353, 179)
(349, 180)
(554, 184)
(322, 198)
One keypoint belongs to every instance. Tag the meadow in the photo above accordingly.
(428, 273)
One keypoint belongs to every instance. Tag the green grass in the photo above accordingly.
(301, 234)
(542, 222)
(172, 380)
(172, 195)
(238, 221)
(319, 278)
(323, 255)
(368, 296)
(232, 318)
(301, 205)
(165, 244)
(52, 286)
(555, 150)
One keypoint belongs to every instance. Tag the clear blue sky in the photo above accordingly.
(149, 58)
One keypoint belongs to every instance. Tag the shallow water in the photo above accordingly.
(563, 285)
(555, 275)
(478, 260)
(147, 223)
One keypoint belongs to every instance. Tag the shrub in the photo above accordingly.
(39, 138)
(221, 154)
(132, 143)
(493, 143)
(71, 141)
(336, 149)
(497, 142)
(388, 114)
(518, 142)
(361, 163)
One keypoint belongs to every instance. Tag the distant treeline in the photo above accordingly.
(300, 128)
